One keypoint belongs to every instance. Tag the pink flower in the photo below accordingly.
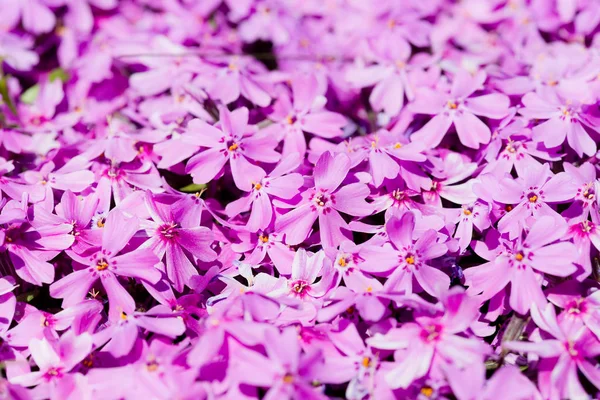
(459, 108)
(431, 342)
(105, 263)
(55, 360)
(530, 194)
(562, 356)
(324, 202)
(175, 235)
(405, 261)
(235, 142)
(304, 112)
(523, 265)
(564, 119)
(280, 183)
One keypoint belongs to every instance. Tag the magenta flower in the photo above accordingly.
(15, 50)
(530, 194)
(175, 235)
(235, 142)
(389, 75)
(324, 202)
(523, 265)
(29, 248)
(233, 77)
(406, 259)
(562, 356)
(469, 216)
(280, 183)
(35, 15)
(120, 336)
(284, 370)
(432, 341)
(389, 156)
(303, 113)
(564, 119)
(54, 360)
(459, 108)
(105, 263)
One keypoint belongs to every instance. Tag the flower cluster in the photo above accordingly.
(311, 199)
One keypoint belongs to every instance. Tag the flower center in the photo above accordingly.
(263, 238)
(508, 208)
(452, 105)
(586, 226)
(398, 145)
(410, 259)
(467, 211)
(512, 147)
(321, 200)
(100, 223)
(343, 262)
(288, 378)
(532, 197)
(398, 194)
(257, 186)
(300, 287)
(432, 332)
(53, 372)
(519, 256)
(589, 193)
(571, 349)
(101, 265)
(366, 362)
(168, 231)
(233, 146)
(152, 364)
(427, 391)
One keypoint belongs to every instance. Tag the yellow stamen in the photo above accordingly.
(257, 186)
(369, 289)
(101, 265)
(519, 256)
(264, 238)
(452, 105)
(100, 223)
(88, 362)
(427, 391)
(466, 211)
(152, 365)
(342, 262)
(366, 362)
(533, 198)
(288, 378)
(397, 145)
(123, 315)
(410, 259)
(233, 147)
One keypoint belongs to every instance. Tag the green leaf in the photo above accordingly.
(5, 95)
(193, 188)
(58, 73)
(30, 94)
